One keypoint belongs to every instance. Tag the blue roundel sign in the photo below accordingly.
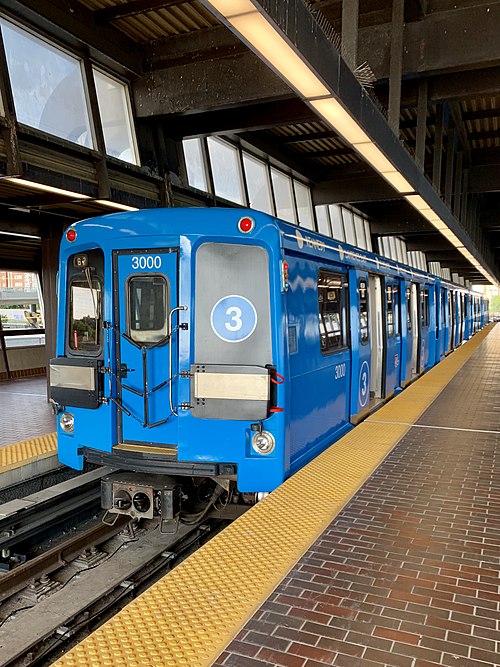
(233, 318)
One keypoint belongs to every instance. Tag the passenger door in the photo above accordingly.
(360, 344)
(392, 335)
(145, 293)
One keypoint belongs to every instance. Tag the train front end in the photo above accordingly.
(170, 350)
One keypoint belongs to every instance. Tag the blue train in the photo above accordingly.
(226, 345)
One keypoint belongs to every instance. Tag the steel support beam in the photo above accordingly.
(421, 124)
(396, 64)
(438, 148)
(350, 14)
(440, 42)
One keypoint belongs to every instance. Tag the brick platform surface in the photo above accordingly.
(407, 574)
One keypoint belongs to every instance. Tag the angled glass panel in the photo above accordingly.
(228, 182)
(368, 236)
(304, 205)
(359, 227)
(116, 118)
(337, 222)
(195, 164)
(47, 86)
(348, 218)
(258, 185)
(283, 196)
(323, 218)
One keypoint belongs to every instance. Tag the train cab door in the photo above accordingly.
(392, 335)
(360, 344)
(145, 293)
(376, 334)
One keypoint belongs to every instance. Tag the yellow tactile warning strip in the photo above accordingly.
(27, 451)
(189, 617)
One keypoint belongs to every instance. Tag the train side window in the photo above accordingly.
(148, 306)
(85, 307)
(332, 301)
(389, 296)
(424, 306)
(363, 312)
(409, 324)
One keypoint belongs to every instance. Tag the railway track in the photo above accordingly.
(54, 594)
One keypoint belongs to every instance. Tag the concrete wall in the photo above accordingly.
(24, 359)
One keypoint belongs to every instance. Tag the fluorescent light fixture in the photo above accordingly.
(418, 202)
(45, 188)
(272, 46)
(398, 182)
(116, 205)
(375, 157)
(341, 121)
(253, 26)
(230, 8)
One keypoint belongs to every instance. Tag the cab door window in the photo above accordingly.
(148, 306)
(85, 303)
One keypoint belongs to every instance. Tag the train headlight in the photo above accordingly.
(67, 422)
(263, 442)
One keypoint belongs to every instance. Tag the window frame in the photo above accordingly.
(128, 310)
(130, 112)
(343, 312)
(76, 351)
(362, 339)
(68, 53)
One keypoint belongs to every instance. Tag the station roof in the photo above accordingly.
(423, 84)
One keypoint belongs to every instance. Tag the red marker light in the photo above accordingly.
(71, 235)
(285, 267)
(246, 225)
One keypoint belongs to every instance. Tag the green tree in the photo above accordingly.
(495, 304)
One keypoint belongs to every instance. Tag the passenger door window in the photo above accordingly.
(363, 312)
(332, 300)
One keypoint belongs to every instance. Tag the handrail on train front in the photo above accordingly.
(170, 390)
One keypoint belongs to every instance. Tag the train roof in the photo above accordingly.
(215, 221)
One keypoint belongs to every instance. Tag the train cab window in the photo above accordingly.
(409, 324)
(363, 312)
(389, 296)
(332, 299)
(424, 306)
(85, 273)
(148, 304)
(85, 307)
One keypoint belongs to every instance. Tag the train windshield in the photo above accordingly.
(85, 314)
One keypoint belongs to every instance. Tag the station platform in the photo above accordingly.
(385, 550)
(27, 439)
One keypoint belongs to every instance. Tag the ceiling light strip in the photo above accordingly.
(263, 36)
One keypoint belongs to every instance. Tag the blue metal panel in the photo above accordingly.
(319, 384)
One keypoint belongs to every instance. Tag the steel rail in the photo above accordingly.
(60, 555)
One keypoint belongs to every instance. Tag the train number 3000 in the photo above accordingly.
(146, 262)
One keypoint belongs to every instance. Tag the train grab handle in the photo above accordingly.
(170, 329)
